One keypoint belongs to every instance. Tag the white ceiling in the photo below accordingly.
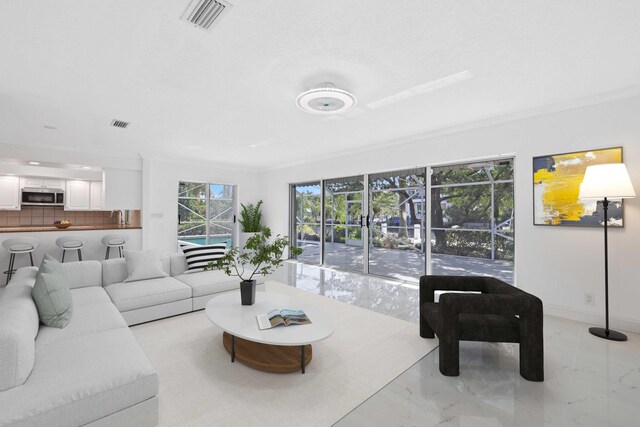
(76, 65)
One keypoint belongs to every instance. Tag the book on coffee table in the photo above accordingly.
(284, 317)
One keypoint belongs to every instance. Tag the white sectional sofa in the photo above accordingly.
(152, 299)
(145, 300)
(93, 371)
(203, 284)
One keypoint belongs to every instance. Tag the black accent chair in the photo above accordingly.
(500, 313)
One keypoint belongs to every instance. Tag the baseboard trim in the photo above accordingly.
(615, 322)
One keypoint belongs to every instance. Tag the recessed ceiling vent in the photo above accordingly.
(205, 14)
(119, 124)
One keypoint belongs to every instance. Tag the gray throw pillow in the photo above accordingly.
(143, 265)
(50, 265)
(53, 300)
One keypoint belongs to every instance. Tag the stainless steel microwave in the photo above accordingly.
(42, 197)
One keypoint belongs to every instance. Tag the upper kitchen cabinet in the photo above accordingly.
(77, 197)
(34, 182)
(96, 202)
(9, 193)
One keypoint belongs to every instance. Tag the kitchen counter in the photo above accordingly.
(39, 228)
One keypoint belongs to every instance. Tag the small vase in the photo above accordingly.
(248, 292)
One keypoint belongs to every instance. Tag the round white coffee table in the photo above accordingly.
(279, 349)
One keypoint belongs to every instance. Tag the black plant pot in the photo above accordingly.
(248, 292)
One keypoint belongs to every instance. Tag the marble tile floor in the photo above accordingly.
(588, 381)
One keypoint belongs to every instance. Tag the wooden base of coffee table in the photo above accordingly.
(267, 357)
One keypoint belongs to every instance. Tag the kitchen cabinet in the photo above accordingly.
(96, 202)
(9, 193)
(78, 196)
(41, 182)
(54, 183)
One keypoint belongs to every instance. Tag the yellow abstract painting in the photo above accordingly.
(556, 185)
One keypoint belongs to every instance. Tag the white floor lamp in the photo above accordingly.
(607, 182)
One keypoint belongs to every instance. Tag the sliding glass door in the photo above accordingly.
(397, 224)
(206, 213)
(306, 216)
(472, 219)
(382, 224)
(344, 207)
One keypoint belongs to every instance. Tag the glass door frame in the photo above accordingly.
(207, 221)
(234, 211)
(428, 229)
(349, 224)
(426, 249)
(364, 229)
(293, 232)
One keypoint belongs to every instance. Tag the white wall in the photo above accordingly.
(160, 180)
(123, 189)
(558, 264)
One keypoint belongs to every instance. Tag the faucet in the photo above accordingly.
(120, 216)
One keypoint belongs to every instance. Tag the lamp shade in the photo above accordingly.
(609, 180)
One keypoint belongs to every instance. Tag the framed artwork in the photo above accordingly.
(556, 185)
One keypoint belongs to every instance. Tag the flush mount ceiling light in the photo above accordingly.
(326, 99)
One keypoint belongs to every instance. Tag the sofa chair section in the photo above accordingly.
(497, 312)
(145, 300)
(82, 380)
(93, 312)
(18, 329)
(206, 284)
(91, 372)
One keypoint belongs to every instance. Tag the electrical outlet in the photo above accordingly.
(589, 299)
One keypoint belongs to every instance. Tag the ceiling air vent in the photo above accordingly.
(205, 13)
(119, 124)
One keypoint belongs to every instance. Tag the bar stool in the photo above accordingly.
(71, 243)
(19, 245)
(114, 241)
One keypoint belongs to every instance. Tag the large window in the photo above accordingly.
(382, 223)
(206, 213)
(472, 218)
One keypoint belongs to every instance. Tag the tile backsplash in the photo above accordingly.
(46, 215)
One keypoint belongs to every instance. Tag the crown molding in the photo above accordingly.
(462, 127)
(182, 161)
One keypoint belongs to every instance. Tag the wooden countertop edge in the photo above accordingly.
(38, 228)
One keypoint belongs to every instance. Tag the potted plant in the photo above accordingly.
(258, 256)
(250, 217)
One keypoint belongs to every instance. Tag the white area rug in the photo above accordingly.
(200, 386)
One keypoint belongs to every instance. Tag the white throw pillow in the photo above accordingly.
(143, 265)
(199, 256)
